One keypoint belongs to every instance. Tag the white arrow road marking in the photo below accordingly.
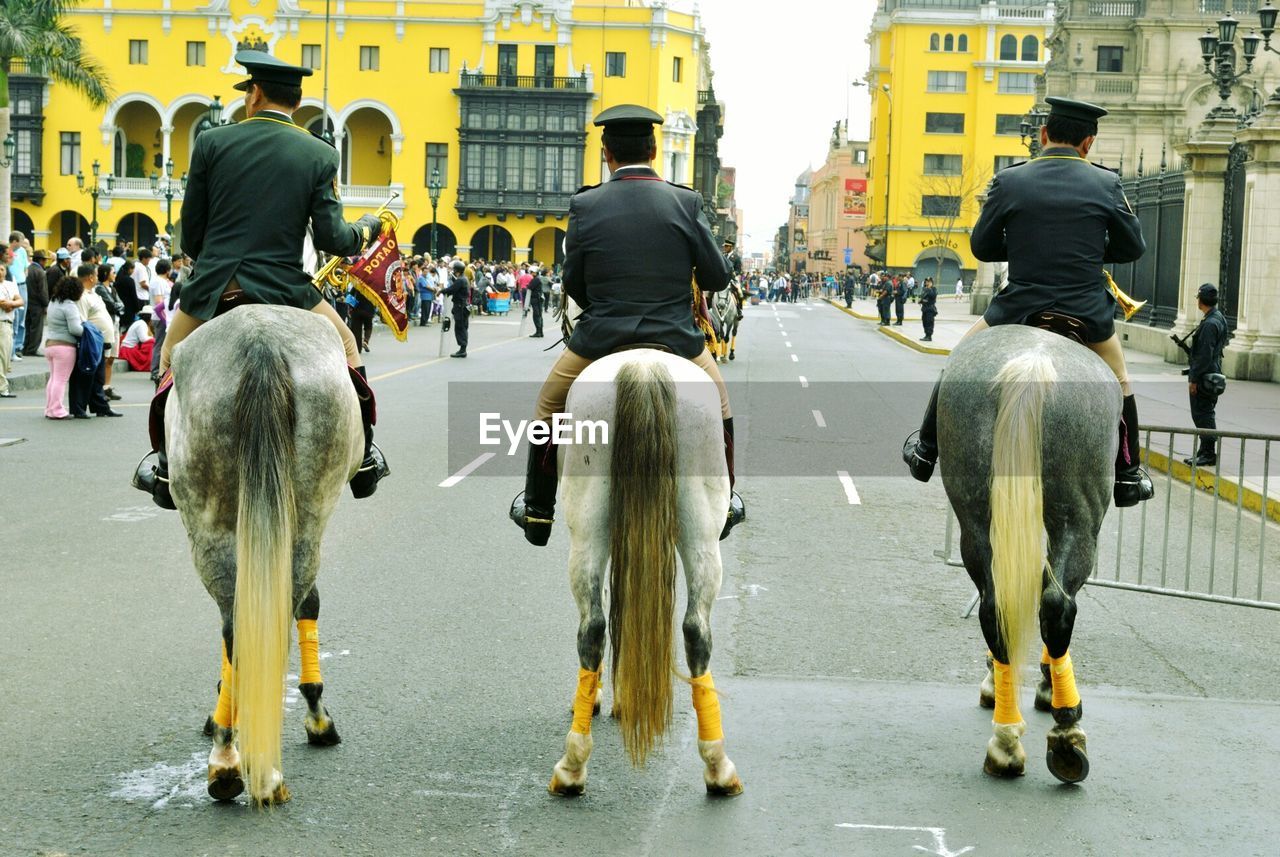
(804, 382)
(849, 490)
(817, 418)
(939, 838)
(466, 471)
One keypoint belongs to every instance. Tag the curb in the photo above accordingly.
(28, 381)
(1205, 479)
(893, 334)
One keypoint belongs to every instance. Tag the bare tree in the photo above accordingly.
(948, 203)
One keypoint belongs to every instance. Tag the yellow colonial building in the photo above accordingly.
(495, 95)
(950, 81)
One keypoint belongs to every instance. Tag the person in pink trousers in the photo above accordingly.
(63, 327)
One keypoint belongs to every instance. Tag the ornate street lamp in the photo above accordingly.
(97, 189)
(1218, 50)
(168, 189)
(1267, 26)
(10, 150)
(1030, 128)
(433, 191)
(215, 112)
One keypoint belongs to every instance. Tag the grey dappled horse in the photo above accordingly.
(264, 432)
(1027, 433)
(657, 487)
(726, 308)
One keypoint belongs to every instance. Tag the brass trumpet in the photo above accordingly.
(334, 272)
(1127, 304)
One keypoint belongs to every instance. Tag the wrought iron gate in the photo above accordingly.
(1232, 233)
(1159, 201)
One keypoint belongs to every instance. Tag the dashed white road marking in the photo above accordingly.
(795, 359)
(939, 834)
(850, 491)
(466, 471)
(783, 332)
(804, 382)
(788, 343)
(818, 418)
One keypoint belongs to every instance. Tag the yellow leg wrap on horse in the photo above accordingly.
(224, 715)
(1044, 655)
(1006, 702)
(584, 701)
(1065, 694)
(309, 651)
(706, 702)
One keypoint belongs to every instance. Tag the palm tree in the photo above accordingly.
(35, 30)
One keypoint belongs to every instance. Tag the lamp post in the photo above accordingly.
(1030, 127)
(95, 190)
(10, 150)
(433, 191)
(214, 114)
(168, 188)
(1218, 50)
(1267, 26)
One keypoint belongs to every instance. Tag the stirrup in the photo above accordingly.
(1133, 488)
(151, 478)
(536, 524)
(913, 453)
(372, 469)
(736, 515)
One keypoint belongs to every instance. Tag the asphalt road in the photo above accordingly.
(850, 678)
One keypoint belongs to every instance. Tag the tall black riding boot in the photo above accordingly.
(152, 475)
(921, 451)
(534, 508)
(1132, 484)
(374, 466)
(737, 509)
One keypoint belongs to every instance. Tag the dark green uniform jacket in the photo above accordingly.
(633, 249)
(1056, 220)
(252, 189)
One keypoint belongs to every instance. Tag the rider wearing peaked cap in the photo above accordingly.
(629, 294)
(1057, 220)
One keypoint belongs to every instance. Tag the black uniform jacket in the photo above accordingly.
(633, 249)
(1206, 346)
(929, 301)
(252, 190)
(537, 287)
(459, 289)
(1056, 220)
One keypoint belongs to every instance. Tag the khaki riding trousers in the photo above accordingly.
(555, 390)
(181, 324)
(1110, 350)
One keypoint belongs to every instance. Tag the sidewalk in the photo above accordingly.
(30, 373)
(1248, 407)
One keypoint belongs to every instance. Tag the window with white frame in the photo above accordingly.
(1017, 83)
(439, 61)
(947, 81)
(368, 57)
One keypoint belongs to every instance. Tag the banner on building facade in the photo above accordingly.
(855, 198)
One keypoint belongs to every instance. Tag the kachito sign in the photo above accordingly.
(382, 278)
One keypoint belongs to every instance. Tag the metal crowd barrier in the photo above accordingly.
(1176, 549)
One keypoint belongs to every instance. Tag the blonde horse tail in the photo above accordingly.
(1017, 500)
(642, 558)
(264, 410)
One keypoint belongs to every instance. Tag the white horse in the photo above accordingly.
(656, 487)
(726, 306)
(264, 431)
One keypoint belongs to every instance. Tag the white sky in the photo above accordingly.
(782, 71)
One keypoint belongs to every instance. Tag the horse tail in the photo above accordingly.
(264, 411)
(1017, 500)
(642, 559)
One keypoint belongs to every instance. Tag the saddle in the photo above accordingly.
(1056, 322)
(232, 297)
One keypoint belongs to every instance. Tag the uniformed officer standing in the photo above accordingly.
(633, 245)
(252, 190)
(928, 308)
(1056, 220)
(459, 289)
(1207, 342)
(538, 286)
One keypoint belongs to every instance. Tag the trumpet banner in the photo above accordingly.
(381, 276)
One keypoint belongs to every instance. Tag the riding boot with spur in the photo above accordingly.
(534, 508)
(737, 509)
(1133, 485)
(152, 475)
(920, 452)
(374, 466)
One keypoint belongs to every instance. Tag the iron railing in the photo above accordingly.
(474, 80)
(1176, 551)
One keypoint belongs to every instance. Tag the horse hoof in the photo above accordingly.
(731, 357)
(563, 788)
(1066, 757)
(733, 788)
(986, 700)
(321, 733)
(1004, 768)
(209, 727)
(279, 795)
(1005, 756)
(225, 784)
